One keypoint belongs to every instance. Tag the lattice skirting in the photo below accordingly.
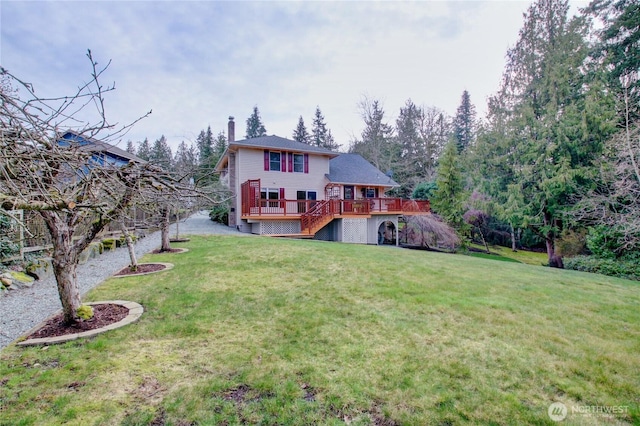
(275, 227)
(354, 231)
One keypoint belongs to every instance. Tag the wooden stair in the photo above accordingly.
(318, 217)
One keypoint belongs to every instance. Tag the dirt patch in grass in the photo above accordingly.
(103, 315)
(172, 250)
(144, 268)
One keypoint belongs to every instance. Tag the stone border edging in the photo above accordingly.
(135, 311)
(168, 266)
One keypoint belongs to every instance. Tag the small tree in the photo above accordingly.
(429, 231)
(73, 189)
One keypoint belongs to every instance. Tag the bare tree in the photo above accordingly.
(70, 184)
(615, 203)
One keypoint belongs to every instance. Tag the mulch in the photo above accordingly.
(142, 269)
(103, 315)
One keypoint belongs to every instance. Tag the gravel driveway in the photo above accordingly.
(21, 310)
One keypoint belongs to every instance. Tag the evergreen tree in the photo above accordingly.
(144, 150)
(204, 142)
(255, 128)
(219, 145)
(130, 148)
(410, 168)
(377, 145)
(449, 188)
(553, 127)
(185, 160)
(300, 133)
(320, 135)
(619, 43)
(465, 123)
(161, 153)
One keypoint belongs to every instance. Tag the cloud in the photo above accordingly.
(197, 62)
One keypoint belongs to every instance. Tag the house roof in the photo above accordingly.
(273, 142)
(352, 169)
(284, 144)
(89, 144)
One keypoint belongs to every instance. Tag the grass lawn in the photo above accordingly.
(287, 332)
(507, 255)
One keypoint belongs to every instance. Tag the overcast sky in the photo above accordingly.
(195, 63)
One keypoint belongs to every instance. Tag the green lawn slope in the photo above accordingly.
(291, 332)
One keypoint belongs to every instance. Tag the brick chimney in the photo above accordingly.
(232, 130)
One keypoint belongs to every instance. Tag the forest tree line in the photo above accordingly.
(554, 164)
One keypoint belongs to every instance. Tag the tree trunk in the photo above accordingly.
(555, 261)
(130, 247)
(164, 230)
(65, 271)
(65, 263)
(484, 241)
(514, 246)
(177, 224)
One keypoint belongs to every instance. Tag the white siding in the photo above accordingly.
(250, 165)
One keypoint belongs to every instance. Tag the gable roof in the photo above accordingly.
(276, 142)
(352, 169)
(272, 142)
(92, 145)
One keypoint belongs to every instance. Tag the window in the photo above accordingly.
(274, 161)
(370, 193)
(306, 200)
(269, 194)
(298, 163)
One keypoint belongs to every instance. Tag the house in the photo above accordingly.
(282, 187)
(101, 152)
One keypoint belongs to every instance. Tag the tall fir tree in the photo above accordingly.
(554, 126)
(410, 168)
(204, 142)
(161, 153)
(376, 144)
(300, 133)
(449, 193)
(618, 45)
(320, 135)
(144, 150)
(131, 149)
(255, 127)
(185, 161)
(465, 123)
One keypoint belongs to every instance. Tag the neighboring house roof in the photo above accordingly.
(272, 142)
(89, 144)
(352, 169)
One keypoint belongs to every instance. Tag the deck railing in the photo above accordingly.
(253, 205)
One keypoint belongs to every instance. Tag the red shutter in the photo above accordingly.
(282, 202)
(306, 163)
(266, 160)
(290, 162)
(283, 161)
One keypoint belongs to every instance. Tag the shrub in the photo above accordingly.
(602, 241)
(7, 247)
(570, 243)
(85, 312)
(424, 191)
(611, 267)
(220, 214)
